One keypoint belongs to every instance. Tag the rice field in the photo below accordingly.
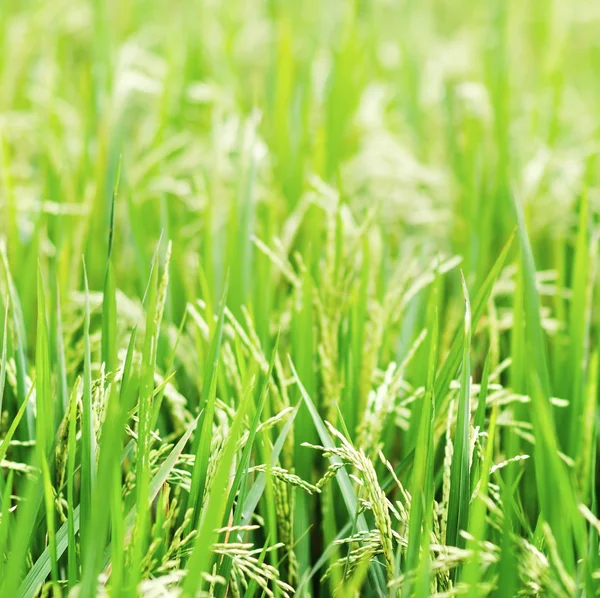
(299, 298)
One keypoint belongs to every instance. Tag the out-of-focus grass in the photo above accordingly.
(232, 232)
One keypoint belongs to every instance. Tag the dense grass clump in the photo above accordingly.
(299, 298)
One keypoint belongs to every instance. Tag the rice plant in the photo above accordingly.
(298, 298)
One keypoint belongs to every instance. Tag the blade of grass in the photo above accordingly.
(109, 301)
(452, 362)
(478, 525)
(203, 440)
(71, 457)
(29, 506)
(4, 354)
(581, 318)
(213, 510)
(4, 445)
(50, 520)
(422, 479)
(126, 397)
(45, 409)
(460, 494)
(142, 461)
(5, 522)
(551, 476)
(88, 437)
(21, 345)
(479, 419)
(59, 353)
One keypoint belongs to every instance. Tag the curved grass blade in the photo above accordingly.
(14, 424)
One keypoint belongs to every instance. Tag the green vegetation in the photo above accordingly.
(297, 298)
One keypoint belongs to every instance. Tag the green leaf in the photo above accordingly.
(109, 307)
(73, 568)
(460, 483)
(88, 436)
(422, 488)
(4, 355)
(21, 345)
(14, 423)
(142, 460)
(203, 440)
(45, 416)
(5, 522)
(213, 510)
(555, 490)
(452, 362)
(477, 524)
